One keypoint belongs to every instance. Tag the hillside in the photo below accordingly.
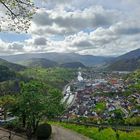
(130, 55)
(127, 62)
(87, 60)
(73, 65)
(39, 62)
(11, 66)
(6, 74)
(126, 65)
(56, 77)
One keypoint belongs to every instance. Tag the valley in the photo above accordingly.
(102, 98)
(75, 93)
(70, 69)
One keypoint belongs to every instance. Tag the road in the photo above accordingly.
(60, 133)
(64, 92)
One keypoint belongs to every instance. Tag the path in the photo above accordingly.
(60, 133)
(4, 135)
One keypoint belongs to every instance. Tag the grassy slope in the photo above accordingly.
(57, 77)
(105, 134)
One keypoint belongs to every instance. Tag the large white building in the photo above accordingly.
(80, 78)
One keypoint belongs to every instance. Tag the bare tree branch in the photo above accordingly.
(12, 13)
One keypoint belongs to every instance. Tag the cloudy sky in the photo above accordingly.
(95, 27)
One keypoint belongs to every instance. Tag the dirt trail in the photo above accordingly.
(59, 133)
(4, 135)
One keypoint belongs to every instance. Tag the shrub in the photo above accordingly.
(43, 131)
(14, 126)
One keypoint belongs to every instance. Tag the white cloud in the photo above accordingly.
(72, 21)
(11, 48)
(110, 27)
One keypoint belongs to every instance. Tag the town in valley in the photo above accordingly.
(100, 97)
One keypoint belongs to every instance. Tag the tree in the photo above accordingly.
(30, 106)
(34, 104)
(5, 103)
(54, 106)
(16, 15)
(133, 121)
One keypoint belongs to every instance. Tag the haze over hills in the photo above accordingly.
(11, 66)
(6, 74)
(45, 63)
(127, 62)
(73, 65)
(130, 55)
(39, 62)
(60, 58)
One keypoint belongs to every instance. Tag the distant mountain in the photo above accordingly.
(125, 65)
(11, 66)
(130, 55)
(73, 65)
(39, 62)
(127, 62)
(60, 58)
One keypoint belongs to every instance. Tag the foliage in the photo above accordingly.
(54, 107)
(56, 77)
(43, 131)
(39, 63)
(118, 117)
(73, 65)
(30, 106)
(100, 107)
(135, 75)
(134, 79)
(10, 81)
(6, 74)
(8, 87)
(132, 121)
(125, 64)
(35, 103)
(11, 66)
(14, 126)
(16, 14)
(5, 103)
(105, 134)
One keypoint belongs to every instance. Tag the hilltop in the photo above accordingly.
(127, 62)
(11, 66)
(60, 58)
(39, 62)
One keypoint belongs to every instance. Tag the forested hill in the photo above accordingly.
(39, 62)
(6, 73)
(127, 62)
(11, 66)
(73, 65)
(46, 63)
(125, 65)
(60, 58)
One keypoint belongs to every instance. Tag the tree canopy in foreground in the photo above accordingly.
(15, 15)
(35, 104)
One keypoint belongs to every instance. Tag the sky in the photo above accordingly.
(94, 27)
